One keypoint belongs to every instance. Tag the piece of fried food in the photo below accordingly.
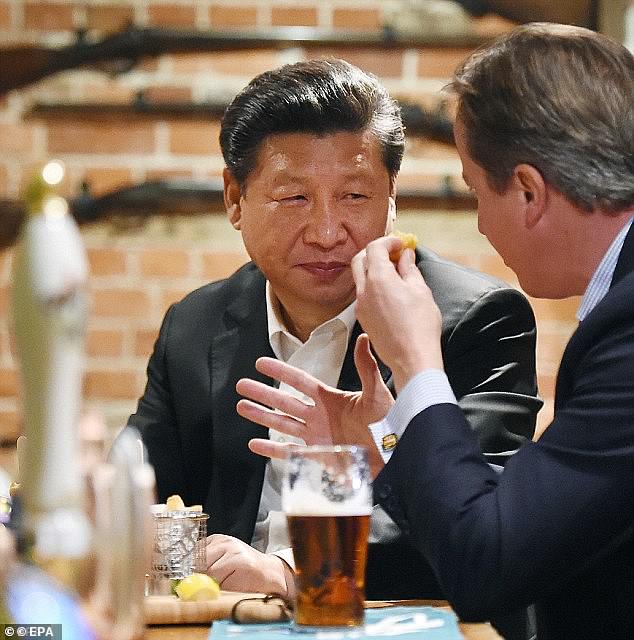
(409, 241)
(175, 503)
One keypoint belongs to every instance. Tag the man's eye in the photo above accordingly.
(356, 196)
(296, 198)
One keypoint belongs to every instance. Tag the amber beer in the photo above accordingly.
(327, 499)
(330, 555)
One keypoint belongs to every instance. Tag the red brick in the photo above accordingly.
(164, 263)
(107, 92)
(294, 16)
(9, 382)
(106, 137)
(384, 64)
(10, 425)
(102, 181)
(48, 16)
(440, 63)
(196, 138)
(108, 18)
(144, 342)
(232, 16)
(111, 384)
(362, 19)
(220, 265)
(106, 262)
(5, 16)
(119, 303)
(172, 15)
(492, 25)
(162, 174)
(166, 93)
(170, 296)
(103, 342)
(250, 63)
(16, 138)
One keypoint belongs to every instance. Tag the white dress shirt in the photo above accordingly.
(432, 386)
(322, 356)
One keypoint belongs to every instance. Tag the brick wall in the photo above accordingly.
(137, 271)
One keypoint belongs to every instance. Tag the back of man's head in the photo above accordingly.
(319, 97)
(560, 98)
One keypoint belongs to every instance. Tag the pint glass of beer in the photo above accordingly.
(327, 498)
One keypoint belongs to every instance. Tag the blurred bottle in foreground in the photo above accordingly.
(49, 313)
(50, 309)
(88, 548)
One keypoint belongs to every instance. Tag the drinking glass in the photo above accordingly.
(327, 499)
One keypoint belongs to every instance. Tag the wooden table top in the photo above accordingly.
(471, 631)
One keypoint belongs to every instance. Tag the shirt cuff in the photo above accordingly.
(425, 389)
(286, 555)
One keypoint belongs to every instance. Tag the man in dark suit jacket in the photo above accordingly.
(545, 131)
(302, 220)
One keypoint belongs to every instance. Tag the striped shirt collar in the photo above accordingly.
(602, 278)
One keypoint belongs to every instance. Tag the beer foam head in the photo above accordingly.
(327, 481)
(308, 503)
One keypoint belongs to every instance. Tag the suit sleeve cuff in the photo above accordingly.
(425, 389)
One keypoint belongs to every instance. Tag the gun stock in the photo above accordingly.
(20, 66)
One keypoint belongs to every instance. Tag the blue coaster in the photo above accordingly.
(405, 623)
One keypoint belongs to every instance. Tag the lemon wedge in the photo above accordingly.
(197, 587)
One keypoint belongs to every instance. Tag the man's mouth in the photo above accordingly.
(325, 268)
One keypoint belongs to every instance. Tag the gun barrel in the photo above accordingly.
(20, 66)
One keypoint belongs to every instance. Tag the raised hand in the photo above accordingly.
(336, 417)
(396, 308)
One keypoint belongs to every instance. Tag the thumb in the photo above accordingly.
(366, 365)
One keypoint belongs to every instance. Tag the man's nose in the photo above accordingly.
(325, 226)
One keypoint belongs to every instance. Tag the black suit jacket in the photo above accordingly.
(208, 341)
(556, 527)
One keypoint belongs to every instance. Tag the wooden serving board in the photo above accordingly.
(172, 610)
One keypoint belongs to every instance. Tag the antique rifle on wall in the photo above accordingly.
(185, 197)
(119, 52)
(434, 124)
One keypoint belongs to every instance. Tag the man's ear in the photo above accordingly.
(232, 194)
(391, 214)
(532, 192)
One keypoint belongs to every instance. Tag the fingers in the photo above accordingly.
(270, 419)
(271, 397)
(359, 267)
(407, 265)
(366, 364)
(290, 375)
(378, 253)
(269, 449)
